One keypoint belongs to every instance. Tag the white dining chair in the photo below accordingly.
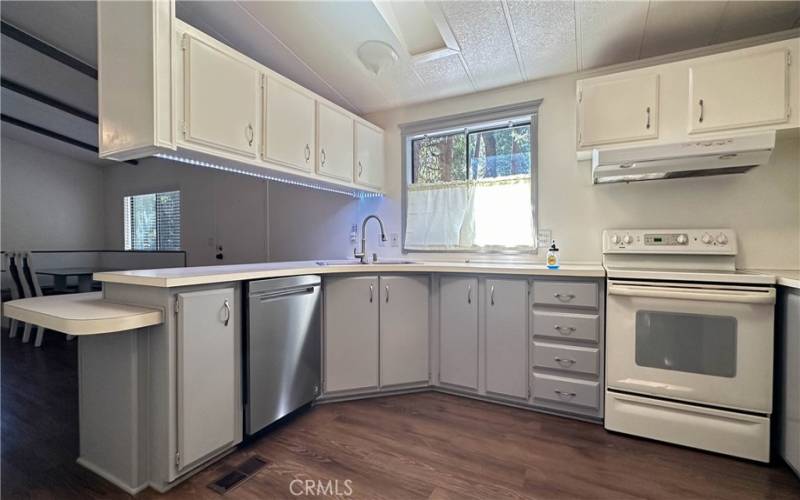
(35, 288)
(23, 289)
(14, 288)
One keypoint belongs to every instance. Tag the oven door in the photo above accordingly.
(697, 343)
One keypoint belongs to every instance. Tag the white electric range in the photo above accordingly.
(689, 341)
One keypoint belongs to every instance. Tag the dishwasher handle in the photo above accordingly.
(285, 293)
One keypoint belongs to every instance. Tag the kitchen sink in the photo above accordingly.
(358, 263)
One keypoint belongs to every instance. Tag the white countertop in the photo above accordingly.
(783, 277)
(185, 276)
(81, 313)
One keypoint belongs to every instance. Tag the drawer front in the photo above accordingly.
(567, 358)
(565, 326)
(568, 391)
(565, 294)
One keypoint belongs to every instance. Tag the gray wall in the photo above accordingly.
(217, 208)
(49, 201)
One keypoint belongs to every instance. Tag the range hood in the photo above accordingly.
(733, 155)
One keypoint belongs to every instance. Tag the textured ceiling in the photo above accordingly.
(501, 42)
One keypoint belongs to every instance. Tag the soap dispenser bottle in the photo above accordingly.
(552, 256)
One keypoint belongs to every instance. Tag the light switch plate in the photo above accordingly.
(543, 238)
(394, 239)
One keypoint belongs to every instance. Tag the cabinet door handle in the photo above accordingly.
(469, 294)
(322, 156)
(564, 330)
(360, 168)
(491, 295)
(564, 361)
(565, 395)
(701, 110)
(387, 294)
(226, 305)
(564, 297)
(648, 118)
(249, 134)
(308, 153)
(371, 292)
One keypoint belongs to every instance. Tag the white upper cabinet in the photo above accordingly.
(289, 130)
(369, 156)
(221, 99)
(335, 143)
(742, 91)
(617, 109)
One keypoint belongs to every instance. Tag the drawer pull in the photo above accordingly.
(564, 297)
(564, 330)
(564, 361)
(564, 395)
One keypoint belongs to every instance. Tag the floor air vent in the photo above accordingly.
(235, 478)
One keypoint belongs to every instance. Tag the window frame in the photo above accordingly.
(478, 120)
(158, 191)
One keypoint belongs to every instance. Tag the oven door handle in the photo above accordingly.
(762, 296)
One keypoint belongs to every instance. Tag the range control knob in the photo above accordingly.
(722, 239)
(627, 239)
(615, 239)
(682, 239)
(707, 239)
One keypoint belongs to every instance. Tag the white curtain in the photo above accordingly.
(488, 214)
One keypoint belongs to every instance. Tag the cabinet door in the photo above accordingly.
(617, 110)
(369, 156)
(351, 333)
(789, 362)
(507, 337)
(404, 329)
(207, 370)
(746, 91)
(335, 134)
(221, 99)
(289, 135)
(458, 332)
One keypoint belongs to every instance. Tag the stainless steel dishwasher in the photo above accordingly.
(282, 360)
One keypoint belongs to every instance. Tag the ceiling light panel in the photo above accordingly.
(421, 28)
(482, 34)
(610, 32)
(673, 26)
(545, 33)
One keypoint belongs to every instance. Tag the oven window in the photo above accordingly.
(692, 343)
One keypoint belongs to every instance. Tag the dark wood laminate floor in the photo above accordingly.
(422, 446)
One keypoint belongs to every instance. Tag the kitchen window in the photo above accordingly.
(153, 221)
(470, 183)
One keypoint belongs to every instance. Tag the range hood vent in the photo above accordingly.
(733, 155)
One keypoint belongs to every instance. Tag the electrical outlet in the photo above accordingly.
(544, 237)
(394, 238)
(353, 233)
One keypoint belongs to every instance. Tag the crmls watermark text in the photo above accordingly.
(318, 487)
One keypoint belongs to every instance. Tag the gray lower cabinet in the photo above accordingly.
(458, 332)
(207, 367)
(351, 333)
(404, 330)
(507, 337)
(787, 353)
(566, 346)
